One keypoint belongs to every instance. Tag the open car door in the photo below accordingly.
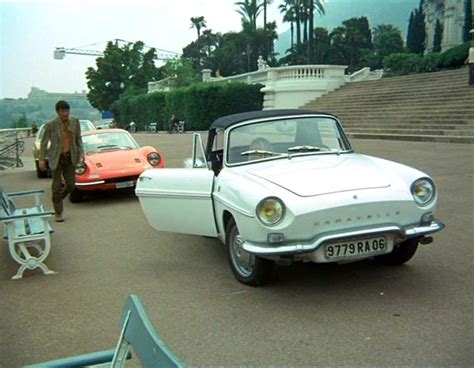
(180, 200)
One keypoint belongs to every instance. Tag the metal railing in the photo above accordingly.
(12, 145)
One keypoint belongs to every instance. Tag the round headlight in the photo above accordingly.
(270, 211)
(80, 168)
(423, 191)
(154, 158)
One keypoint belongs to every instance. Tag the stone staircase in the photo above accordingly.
(435, 107)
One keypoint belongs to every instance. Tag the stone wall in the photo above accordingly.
(451, 14)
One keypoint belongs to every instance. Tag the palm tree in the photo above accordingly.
(272, 35)
(296, 4)
(304, 17)
(250, 10)
(319, 7)
(265, 4)
(198, 23)
(289, 16)
(294, 8)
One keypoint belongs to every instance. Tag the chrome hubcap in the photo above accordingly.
(243, 260)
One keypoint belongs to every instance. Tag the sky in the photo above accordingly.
(30, 31)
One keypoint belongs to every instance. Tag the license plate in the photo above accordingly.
(125, 184)
(356, 248)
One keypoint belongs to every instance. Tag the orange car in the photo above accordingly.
(113, 160)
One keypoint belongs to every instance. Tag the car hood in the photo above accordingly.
(324, 174)
(115, 160)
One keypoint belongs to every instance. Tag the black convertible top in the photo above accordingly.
(229, 120)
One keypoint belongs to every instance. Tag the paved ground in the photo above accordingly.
(313, 315)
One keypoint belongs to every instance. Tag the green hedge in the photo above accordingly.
(198, 105)
(142, 109)
(455, 57)
(402, 64)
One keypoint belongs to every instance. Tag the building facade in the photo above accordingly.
(451, 14)
(39, 94)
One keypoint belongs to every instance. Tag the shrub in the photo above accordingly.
(454, 57)
(401, 64)
(431, 62)
(142, 109)
(198, 105)
(176, 104)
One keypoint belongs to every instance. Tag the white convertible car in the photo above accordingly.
(282, 186)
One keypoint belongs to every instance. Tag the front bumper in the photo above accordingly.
(302, 247)
(108, 184)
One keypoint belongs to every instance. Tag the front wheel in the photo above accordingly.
(400, 254)
(247, 268)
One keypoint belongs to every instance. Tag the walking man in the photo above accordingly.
(64, 153)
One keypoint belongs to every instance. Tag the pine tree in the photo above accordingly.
(411, 33)
(416, 31)
(366, 32)
(421, 30)
(438, 35)
(467, 20)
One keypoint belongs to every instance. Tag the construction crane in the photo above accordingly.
(60, 52)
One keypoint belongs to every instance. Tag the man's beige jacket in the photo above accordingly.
(53, 134)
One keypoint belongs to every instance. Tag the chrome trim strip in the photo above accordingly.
(311, 246)
(232, 206)
(171, 194)
(91, 183)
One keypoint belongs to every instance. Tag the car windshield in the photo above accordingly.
(108, 141)
(40, 133)
(284, 138)
(86, 125)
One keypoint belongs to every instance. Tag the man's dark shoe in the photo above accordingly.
(58, 217)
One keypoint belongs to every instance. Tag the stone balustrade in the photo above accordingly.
(364, 74)
(163, 85)
(256, 77)
(287, 86)
(299, 72)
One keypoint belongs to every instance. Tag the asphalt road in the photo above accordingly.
(359, 314)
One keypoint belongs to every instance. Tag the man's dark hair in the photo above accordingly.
(62, 105)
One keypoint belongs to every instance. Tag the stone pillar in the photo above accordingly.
(206, 75)
(272, 76)
(269, 89)
(447, 41)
